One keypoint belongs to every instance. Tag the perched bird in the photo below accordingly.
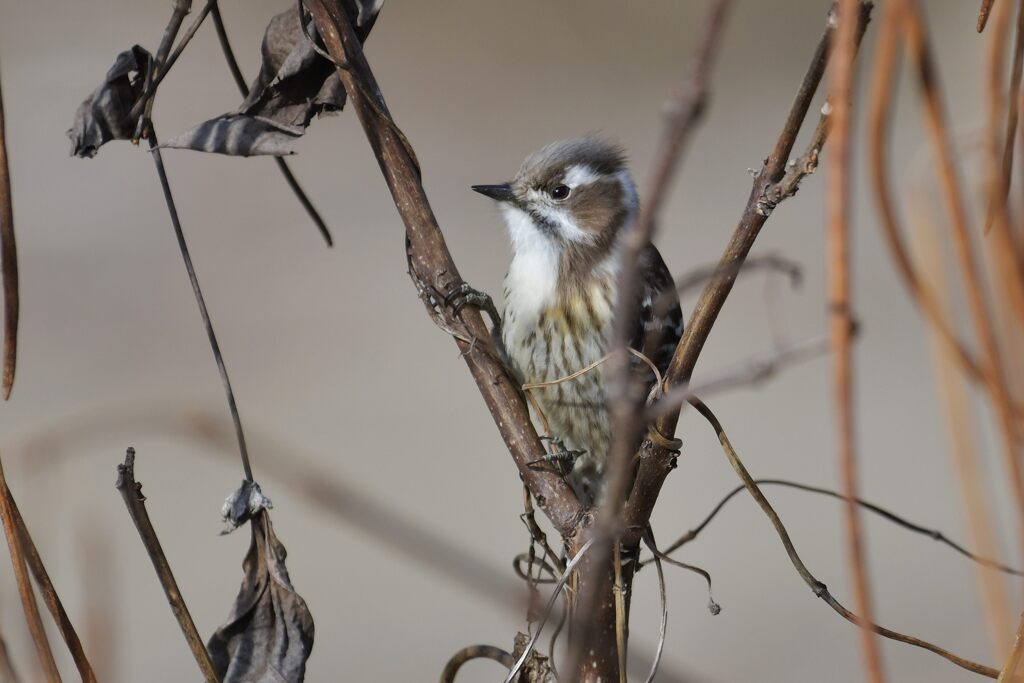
(566, 211)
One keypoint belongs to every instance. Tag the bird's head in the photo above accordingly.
(570, 196)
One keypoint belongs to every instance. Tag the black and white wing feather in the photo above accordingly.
(659, 325)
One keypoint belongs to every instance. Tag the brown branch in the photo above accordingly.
(656, 461)
(8, 264)
(837, 208)
(815, 585)
(49, 593)
(920, 49)
(28, 597)
(433, 270)
(131, 492)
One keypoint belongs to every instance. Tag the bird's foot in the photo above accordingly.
(465, 295)
(561, 458)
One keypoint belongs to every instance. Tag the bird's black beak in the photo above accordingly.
(501, 193)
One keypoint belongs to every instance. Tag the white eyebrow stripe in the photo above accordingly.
(580, 174)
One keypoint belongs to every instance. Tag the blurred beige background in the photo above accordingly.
(332, 356)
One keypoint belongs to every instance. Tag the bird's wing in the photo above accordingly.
(659, 324)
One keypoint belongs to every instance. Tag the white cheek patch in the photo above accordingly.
(579, 175)
(559, 216)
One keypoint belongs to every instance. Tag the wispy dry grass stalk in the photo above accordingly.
(838, 209)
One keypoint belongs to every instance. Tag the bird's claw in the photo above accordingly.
(563, 459)
(465, 295)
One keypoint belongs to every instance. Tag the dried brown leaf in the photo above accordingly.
(269, 634)
(295, 84)
(106, 114)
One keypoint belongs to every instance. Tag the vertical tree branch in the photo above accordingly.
(837, 206)
(131, 492)
(8, 264)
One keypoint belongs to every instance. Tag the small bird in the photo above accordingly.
(566, 212)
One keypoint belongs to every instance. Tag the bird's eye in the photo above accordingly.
(560, 192)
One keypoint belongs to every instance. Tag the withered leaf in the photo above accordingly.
(104, 115)
(294, 85)
(269, 634)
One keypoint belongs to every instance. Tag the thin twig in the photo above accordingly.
(472, 652)
(744, 374)
(837, 207)
(131, 492)
(592, 366)
(186, 38)
(282, 165)
(619, 594)
(143, 108)
(8, 263)
(902, 522)
(713, 606)
(815, 585)
(201, 302)
(698, 277)
(49, 593)
(28, 597)
(663, 625)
